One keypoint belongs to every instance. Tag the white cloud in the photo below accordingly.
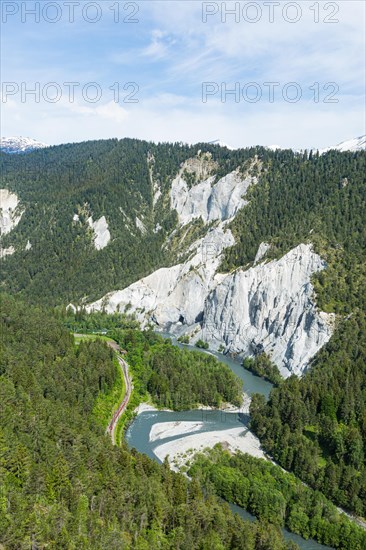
(173, 52)
(174, 118)
(280, 49)
(159, 45)
(106, 111)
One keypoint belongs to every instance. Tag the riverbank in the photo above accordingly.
(227, 407)
(145, 407)
(179, 451)
(164, 430)
(184, 442)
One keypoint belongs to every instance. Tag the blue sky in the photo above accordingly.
(168, 53)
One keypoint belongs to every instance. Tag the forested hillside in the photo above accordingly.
(276, 496)
(299, 197)
(310, 198)
(94, 178)
(316, 426)
(176, 378)
(63, 484)
(115, 179)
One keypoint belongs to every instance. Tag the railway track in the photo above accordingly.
(111, 429)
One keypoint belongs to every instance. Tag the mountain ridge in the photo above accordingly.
(16, 145)
(19, 144)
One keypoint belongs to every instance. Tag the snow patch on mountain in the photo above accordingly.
(102, 235)
(221, 144)
(355, 144)
(10, 213)
(14, 145)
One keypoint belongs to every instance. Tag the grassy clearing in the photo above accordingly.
(90, 337)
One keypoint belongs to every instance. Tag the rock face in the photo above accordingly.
(174, 298)
(102, 235)
(270, 308)
(262, 251)
(10, 215)
(220, 201)
(6, 251)
(140, 226)
(9, 212)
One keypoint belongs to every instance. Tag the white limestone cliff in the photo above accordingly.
(9, 211)
(140, 226)
(175, 295)
(102, 235)
(6, 251)
(262, 251)
(220, 201)
(10, 215)
(271, 308)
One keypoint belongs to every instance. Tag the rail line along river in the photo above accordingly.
(162, 433)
